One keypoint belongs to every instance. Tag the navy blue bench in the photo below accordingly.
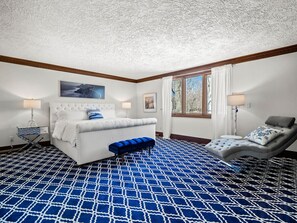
(131, 145)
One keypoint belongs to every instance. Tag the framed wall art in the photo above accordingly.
(150, 102)
(78, 90)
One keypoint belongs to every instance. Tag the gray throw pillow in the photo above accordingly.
(281, 121)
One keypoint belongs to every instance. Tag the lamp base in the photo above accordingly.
(32, 123)
(235, 120)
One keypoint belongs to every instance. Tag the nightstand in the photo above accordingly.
(32, 135)
(231, 137)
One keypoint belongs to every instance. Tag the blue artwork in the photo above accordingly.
(77, 90)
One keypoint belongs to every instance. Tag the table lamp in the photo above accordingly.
(126, 105)
(32, 103)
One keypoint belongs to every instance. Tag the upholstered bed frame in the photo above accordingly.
(93, 146)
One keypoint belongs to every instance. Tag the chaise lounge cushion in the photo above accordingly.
(228, 149)
(224, 148)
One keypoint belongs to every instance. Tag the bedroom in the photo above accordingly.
(268, 83)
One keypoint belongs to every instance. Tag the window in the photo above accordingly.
(191, 96)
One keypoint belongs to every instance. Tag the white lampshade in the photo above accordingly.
(126, 105)
(236, 99)
(32, 103)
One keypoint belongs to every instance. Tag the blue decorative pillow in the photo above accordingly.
(263, 135)
(94, 114)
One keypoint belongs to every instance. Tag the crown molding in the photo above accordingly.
(236, 60)
(47, 66)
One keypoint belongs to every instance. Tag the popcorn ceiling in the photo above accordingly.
(136, 39)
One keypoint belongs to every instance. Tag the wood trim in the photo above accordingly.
(236, 60)
(204, 94)
(159, 134)
(4, 149)
(201, 141)
(31, 63)
(194, 74)
(186, 115)
(184, 96)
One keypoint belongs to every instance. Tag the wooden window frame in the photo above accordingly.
(204, 96)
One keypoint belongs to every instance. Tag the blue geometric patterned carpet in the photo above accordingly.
(179, 182)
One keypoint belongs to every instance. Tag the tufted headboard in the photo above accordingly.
(65, 106)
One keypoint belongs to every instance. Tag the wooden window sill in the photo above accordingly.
(192, 116)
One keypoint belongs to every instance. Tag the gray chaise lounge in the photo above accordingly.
(229, 149)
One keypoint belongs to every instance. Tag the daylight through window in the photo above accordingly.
(191, 96)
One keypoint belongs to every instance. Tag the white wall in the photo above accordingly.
(195, 127)
(270, 86)
(19, 82)
(154, 86)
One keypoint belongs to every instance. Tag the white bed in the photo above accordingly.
(91, 144)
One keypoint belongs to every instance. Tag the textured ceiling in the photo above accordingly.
(136, 39)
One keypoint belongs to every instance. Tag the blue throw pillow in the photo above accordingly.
(94, 114)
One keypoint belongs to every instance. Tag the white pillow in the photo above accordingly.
(108, 113)
(72, 115)
(263, 135)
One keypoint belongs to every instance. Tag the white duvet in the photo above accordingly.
(67, 130)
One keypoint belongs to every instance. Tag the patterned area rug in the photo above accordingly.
(179, 182)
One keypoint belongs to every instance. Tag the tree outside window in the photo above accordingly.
(191, 96)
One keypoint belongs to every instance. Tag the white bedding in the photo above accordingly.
(67, 130)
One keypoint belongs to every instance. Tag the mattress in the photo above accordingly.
(68, 130)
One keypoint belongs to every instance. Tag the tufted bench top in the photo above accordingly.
(131, 145)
